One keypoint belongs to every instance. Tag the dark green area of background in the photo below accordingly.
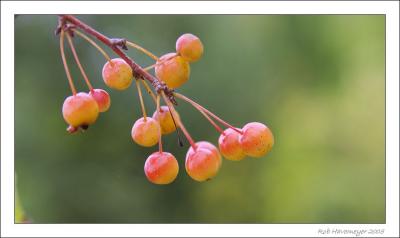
(316, 81)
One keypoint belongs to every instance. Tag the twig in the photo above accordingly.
(67, 22)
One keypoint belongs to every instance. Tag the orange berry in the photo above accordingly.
(146, 132)
(189, 47)
(202, 164)
(229, 145)
(117, 74)
(80, 110)
(102, 98)
(172, 70)
(161, 168)
(256, 140)
(163, 116)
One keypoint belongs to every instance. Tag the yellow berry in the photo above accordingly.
(189, 47)
(164, 117)
(146, 131)
(257, 139)
(172, 70)
(117, 74)
(80, 110)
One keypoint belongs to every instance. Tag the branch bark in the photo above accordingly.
(67, 22)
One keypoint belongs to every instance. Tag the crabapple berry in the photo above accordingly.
(146, 131)
(256, 140)
(164, 117)
(102, 98)
(202, 164)
(229, 145)
(161, 168)
(80, 110)
(172, 70)
(189, 47)
(117, 74)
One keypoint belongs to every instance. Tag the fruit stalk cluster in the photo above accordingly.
(172, 70)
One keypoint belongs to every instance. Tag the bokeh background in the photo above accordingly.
(316, 80)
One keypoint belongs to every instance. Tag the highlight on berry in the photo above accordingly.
(172, 70)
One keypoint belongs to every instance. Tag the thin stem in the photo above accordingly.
(218, 128)
(160, 147)
(148, 89)
(138, 47)
(179, 122)
(195, 104)
(71, 83)
(94, 44)
(158, 102)
(71, 44)
(149, 67)
(141, 100)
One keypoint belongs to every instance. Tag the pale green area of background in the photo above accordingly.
(316, 81)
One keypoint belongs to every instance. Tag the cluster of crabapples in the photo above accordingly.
(203, 159)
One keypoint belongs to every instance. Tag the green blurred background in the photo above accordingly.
(316, 80)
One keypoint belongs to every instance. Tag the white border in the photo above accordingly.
(8, 9)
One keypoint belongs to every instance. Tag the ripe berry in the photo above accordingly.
(229, 145)
(172, 70)
(161, 168)
(118, 74)
(146, 132)
(256, 140)
(203, 163)
(189, 47)
(164, 117)
(102, 98)
(80, 110)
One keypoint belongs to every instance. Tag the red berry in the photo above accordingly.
(102, 98)
(146, 132)
(172, 70)
(256, 140)
(80, 110)
(161, 168)
(164, 117)
(117, 74)
(229, 145)
(203, 163)
(189, 47)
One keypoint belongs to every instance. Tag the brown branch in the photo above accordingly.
(66, 22)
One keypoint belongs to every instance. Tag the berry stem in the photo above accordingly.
(179, 122)
(141, 99)
(94, 44)
(71, 83)
(149, 67)
(71, 44)
(198, 106)
(148, 89)
(218, 128)
(138, 47)
(158, 103)
(160, 147)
